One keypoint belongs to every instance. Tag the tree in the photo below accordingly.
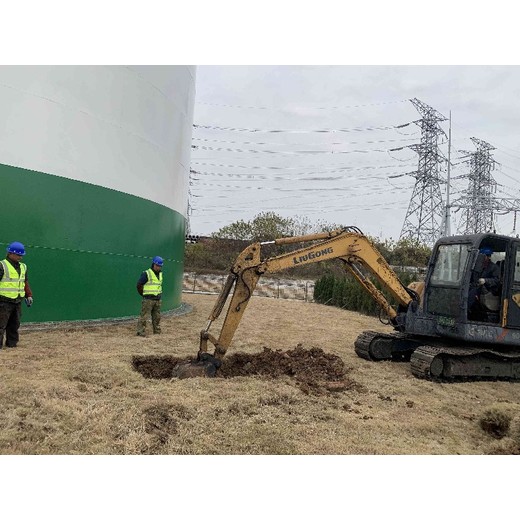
(270, 226)
(410, 252)
(237, 231)
(265, 226)
(303, 226)
(404, 252)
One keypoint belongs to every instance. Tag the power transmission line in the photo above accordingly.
(295, 131)
(339, 107)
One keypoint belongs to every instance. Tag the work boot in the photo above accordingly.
(142, 334)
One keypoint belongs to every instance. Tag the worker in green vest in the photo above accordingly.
(14, 287)
(149, 286)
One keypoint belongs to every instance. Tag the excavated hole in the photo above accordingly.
(312, 370)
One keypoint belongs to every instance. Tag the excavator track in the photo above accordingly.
(446, 363)
(379, 346)
(438, 362)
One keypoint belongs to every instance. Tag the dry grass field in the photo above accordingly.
(75, 391)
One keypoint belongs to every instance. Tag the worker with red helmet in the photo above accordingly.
(149, 286)
(14, 287)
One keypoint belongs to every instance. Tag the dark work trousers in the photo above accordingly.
(153, 308)
(10, 314)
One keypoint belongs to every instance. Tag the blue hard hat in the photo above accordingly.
(486, 251)
(158, 260)
(17, 248)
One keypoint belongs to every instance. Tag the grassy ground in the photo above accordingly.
(75, 392)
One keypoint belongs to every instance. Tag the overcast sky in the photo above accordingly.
(353, 175)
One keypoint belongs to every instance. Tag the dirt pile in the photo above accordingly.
(312, 370)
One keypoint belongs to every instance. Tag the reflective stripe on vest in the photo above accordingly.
(153, 287)
(12, 284)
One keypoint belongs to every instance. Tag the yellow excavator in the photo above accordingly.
(436, 326)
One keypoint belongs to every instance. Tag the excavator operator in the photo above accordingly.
(488, 282)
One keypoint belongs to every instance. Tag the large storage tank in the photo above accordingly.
(94, 165)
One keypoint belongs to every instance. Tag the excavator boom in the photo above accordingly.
(349, 245)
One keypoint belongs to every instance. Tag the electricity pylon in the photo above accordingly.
(424, 218)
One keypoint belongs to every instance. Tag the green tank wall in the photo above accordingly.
(86, 246)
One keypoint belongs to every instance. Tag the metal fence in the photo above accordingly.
(271, 288)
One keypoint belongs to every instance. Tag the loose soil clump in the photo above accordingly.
(312, 370)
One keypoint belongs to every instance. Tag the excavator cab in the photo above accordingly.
(455, 302)
(469, 322)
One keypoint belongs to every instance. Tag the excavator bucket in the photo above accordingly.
(205, 365)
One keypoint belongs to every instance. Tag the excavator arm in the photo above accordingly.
(348, 245)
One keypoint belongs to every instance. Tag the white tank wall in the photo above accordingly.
(122, 127)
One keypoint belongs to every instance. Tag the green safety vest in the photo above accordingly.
(12, 284)
(153, 286)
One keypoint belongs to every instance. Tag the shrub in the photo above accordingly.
(346, 292)
(514, 429)
(495, 420)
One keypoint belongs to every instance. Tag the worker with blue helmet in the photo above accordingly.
(149, 286)
(14, 287)
(16, 248)
(157, 260)
(489, 276)
(487, 281)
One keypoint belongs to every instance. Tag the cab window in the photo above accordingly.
(450, 264)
